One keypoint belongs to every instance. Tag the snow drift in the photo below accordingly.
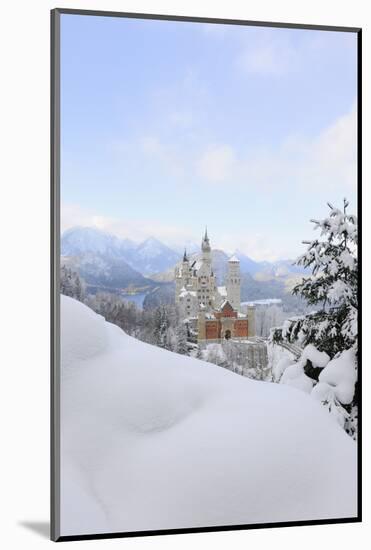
(155, 440)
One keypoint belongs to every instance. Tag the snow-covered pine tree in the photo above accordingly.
(332, 287)
(79, 287)
(71, 284)
(328, 365)
(181, 339)
(199, 353)
(161, 327)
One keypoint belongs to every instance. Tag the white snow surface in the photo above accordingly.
(295, 376)
(317, 358)
(155, 440)
(341, 375)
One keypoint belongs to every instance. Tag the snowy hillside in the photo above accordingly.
(152, 256)
(155, 440)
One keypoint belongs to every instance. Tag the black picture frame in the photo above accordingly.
(55, 267)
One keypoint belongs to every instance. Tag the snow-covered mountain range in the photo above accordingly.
(147, 257)
(109, 262)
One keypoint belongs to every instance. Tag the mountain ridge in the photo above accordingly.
(107, 262)
(151, 255)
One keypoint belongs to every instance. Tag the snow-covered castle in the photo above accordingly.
(216, 309)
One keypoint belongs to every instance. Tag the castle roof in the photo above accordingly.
(225, 304)
(234, 259)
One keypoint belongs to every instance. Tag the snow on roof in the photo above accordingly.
(222, 290)
(185, 292)
(197, 264)
(234, 259)
(224, 304)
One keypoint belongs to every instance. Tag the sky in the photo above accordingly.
(169, 126)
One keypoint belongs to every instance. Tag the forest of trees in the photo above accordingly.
(159, 326)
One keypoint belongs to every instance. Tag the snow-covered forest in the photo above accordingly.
(158, 326)
(161, 326)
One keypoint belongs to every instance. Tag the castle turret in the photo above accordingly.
(233, 283)
(182, 275)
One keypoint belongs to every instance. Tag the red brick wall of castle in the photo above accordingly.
(212, 330)
(241, 328)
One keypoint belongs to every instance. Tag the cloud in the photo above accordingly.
(335, 150)
(73, 215)
(216, 163)
(267, 60)
(327, 160)
(255, 245)
(270, 54)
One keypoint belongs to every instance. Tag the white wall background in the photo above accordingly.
(24, 285)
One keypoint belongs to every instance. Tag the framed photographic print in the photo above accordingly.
(206, 365)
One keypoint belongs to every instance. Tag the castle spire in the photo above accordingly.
(205, 245)
(185, 258)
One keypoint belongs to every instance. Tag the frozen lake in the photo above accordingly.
(137, 299)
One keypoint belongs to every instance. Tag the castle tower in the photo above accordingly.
(206, 250)
(181, 276)
(251, 318)
(233, 283)
(185, 265)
